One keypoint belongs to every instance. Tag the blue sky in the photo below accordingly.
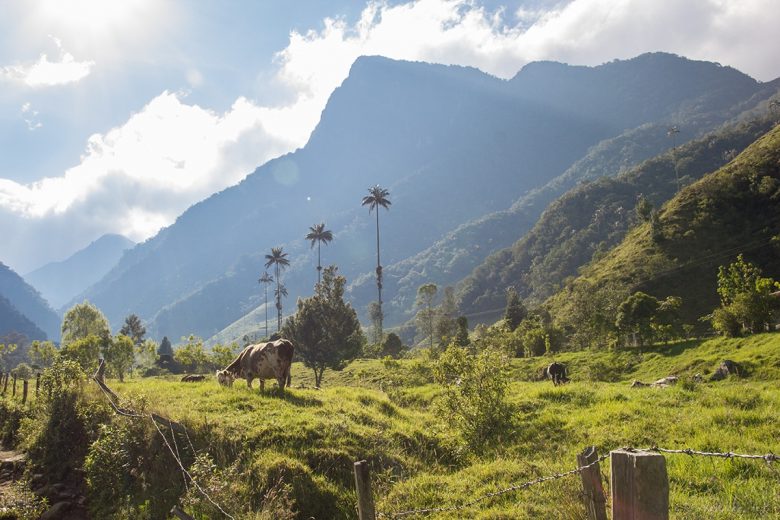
(117, 116)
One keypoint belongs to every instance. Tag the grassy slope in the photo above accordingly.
(384, 413)
(733, 210)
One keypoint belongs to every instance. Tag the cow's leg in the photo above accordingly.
(249, 382)
(262, 385)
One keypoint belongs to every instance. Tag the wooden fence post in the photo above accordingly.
(13, 391)
(24, 392)
(593, 491)
(640, 486)
(5, 384)
(37, 383)
(2, 378)
(363, 486)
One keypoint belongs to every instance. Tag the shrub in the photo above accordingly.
(474, 399)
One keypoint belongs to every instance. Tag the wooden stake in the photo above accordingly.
(640, 486)
(363, 486)
(593, 490)
(24, 392)
(13, 392)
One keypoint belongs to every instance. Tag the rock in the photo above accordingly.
(57, 511)
(726, 368)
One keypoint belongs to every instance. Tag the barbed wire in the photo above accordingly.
(504, 491)
(768, 458)
(110, 395)
(187, 473)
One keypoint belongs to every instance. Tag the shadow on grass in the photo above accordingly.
(672, 349)
(297, 400)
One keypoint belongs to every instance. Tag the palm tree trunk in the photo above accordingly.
(266, 310)
(278, 301)
(319, 263)
(378, 275)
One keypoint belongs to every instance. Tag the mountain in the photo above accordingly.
(13, 322)
(59, 282)
(28, 302)
(734, 210)
(590, 219)
(452, 144)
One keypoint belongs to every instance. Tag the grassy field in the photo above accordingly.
(386, 413)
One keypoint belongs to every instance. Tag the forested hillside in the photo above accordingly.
(424, 132)
(28, 302)
(59, 282)
(735, 210)
(12, 321)
(589, 220)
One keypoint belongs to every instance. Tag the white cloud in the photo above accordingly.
(45, 73)
(460, 32)
(138, 177)
(30, 117)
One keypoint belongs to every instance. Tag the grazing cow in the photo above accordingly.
(262, 361)
(556, 373)
(193, 378)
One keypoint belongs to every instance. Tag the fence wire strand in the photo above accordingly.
(110, 395)
(769, 458)
(504, 491)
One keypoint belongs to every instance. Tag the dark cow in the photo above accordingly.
(193, 378)
(262, 361)
(556, 372)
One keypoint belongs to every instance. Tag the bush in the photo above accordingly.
(474, 399)
(63, 422)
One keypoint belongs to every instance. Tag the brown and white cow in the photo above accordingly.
(262, 361)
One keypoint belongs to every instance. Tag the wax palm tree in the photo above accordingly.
(265, 280)
(377, 196)
(278, 259)
(319, 235)
(672, 132)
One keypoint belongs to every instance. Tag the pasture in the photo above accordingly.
(295, 452)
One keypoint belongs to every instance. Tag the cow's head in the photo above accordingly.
(225, 378)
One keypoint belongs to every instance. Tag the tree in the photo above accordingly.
(672, 132)
(426, 314)
(515, 310)
(278, 259)
(265, 280)
(325, 329)
(635, 317)
(375, 315)
(5, 350)
(644, 208)
(42, 353)
(146, 353)
(462, 336)
(392, 345)
(319, 235)
(23, 371)
(165, 348)
(84, 351)
(446, 327)
(83, 320)
(119, 355)
(134, 329)
(745, 298)
(192, 356)
(223, 355)
(377, 197)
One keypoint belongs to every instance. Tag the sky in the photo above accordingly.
(115, 117)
